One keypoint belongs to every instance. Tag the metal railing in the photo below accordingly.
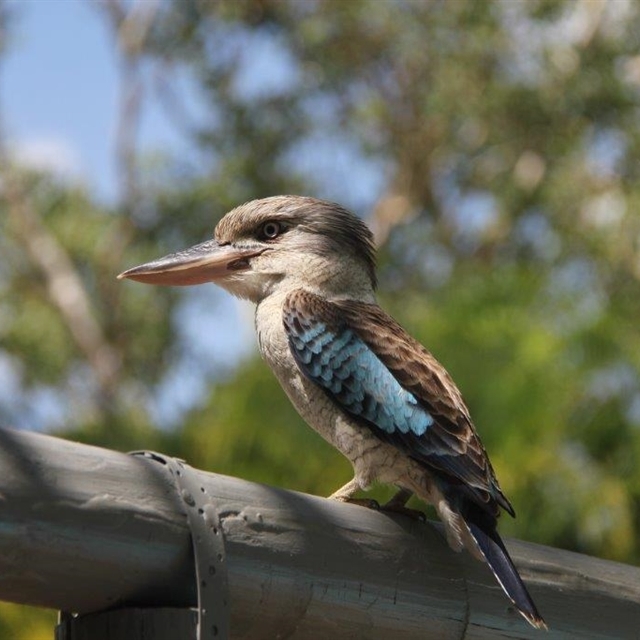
(109, 538)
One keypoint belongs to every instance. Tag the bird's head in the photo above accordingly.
(277, 243)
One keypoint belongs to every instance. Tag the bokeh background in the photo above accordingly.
(493, 146)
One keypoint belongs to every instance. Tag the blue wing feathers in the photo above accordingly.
(339, 361)
(377, 373)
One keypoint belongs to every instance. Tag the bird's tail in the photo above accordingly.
(482, 527)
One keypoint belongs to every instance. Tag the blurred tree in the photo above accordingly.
(496, 145)
(505, 134)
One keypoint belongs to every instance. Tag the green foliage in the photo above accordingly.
(25, 623)
(504, 142)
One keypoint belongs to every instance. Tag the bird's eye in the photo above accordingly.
(271, 230)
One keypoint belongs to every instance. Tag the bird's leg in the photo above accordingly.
(399, 499)
(397, 505)
(345, 494)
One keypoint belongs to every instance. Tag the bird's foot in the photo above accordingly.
(414, 514)
(369, 503)
(345, 494)
(397, 504)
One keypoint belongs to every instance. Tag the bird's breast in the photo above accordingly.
(371, 458)
(311, 402)
(308, 399)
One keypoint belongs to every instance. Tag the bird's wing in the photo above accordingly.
(381, 376)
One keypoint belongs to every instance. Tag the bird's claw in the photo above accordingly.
(369, 503)
(414, 514)
(388, 507)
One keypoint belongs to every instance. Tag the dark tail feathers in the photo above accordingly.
(483, 530)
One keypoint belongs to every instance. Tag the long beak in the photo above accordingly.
(204, 262)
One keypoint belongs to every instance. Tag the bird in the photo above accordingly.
(352, 372)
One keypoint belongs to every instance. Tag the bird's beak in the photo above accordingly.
(204, 262)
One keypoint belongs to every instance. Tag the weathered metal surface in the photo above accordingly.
(131, 624)
(209, 554)
(84, 529)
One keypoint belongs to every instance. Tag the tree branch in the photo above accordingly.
(63, 283)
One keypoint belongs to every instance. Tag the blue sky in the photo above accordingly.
(59, 93)
(59, 90)
(59, 103)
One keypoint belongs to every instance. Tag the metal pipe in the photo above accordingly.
(85, 529)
